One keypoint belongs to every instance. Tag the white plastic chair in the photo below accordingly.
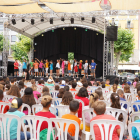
(59, 124)
(125, 102)
(8, 97)
(57, 101)
(3, 105)
(5, 124)
(107, 132)
(39, 100)
(62, 110)
(91, 114)
(54, 93)
(107, 103)
(39, 88)
(116, 113)
(133, 124)
(128, 97)
(137, 104)
(133, 115)
(36, 100)
(26, 106)
(34, 128)
(80, 101)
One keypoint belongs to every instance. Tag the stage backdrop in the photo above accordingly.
(85, 45)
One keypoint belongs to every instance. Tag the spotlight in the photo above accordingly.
(75, 28)
(32, 21)
(51, 20)
(63, 28)
(42, 35)
(23, 20)
(82, 18)
(62, 19)
(72, 20)
(13, 21)
(93, 19)
(42, 20)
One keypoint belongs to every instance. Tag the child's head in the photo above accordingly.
(46, 93)
(1, 94)
(16, 60)
(32, 60)
(34, 87)
(66, 88)
(85, 84)
(39, 81)
(136, 79)
(41, 61)
(21, 83)
(89, 83)
(33, 81)
(82, 92)
(114, 87)
(7, 86)
(46, 60)
(61, 92)
(45, 89)
(120, 93)
(107, 82)
(92, 78)
(51, 61)
(74, 106)
(67, 81)
(99, 107)
(12, 81)
(15, 79)
(127, 89)
(56, 80)
(86, 61)
(124, 82)
(100, 93)
(116, 81)
(92, 60)
(46, 101)
(74, 84)
(115, 101)
(57, 87)
(2, 87)
(93, 97)
(35, 61)
(67, 98)
(24, 60)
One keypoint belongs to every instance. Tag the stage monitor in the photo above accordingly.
(112, 32)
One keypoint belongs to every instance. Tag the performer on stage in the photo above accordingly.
(93, 68)
(69, 68)
(51, 68)
(31, 71)
(86, 69)
(41, 68)
(63, 67)
(47, 67)
(80, 67)
(36, 64)
(75, 69)
(57, 68)
(24, 67)
(16, 65)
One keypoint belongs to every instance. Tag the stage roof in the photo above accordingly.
(46, 9)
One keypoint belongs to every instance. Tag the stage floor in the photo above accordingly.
(60, 78)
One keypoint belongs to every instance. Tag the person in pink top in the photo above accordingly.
(82, 95)
(41, 67)
(35, 92)
(135, 82)
(63, 67)
(99, 110)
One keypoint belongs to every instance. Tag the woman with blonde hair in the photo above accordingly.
(127, 89)
(35, 92)
(93, 98)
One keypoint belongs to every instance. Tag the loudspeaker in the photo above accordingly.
(109, 57)
(112, 32)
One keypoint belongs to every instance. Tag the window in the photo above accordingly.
(13, 38)
(1, 26)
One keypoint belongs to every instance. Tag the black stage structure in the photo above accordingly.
(86, 44)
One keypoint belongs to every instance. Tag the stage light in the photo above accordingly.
(13, 21)
(82, 18)
(42, 20)
(93, 19)
(62, 19)
(72, 20)
(32, 21)
(51, 20)
(42, 35)
(63, 28)
(52, 30)
(23, 20)
(86, 30)
(75, 28)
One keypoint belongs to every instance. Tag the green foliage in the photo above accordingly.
(124, 44)
(70, 56)
(1, 42)
(21, 48)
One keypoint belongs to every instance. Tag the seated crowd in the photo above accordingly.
(79, 96)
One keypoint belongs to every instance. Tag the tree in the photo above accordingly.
(1, 42)
(123, 47)
(21, 49)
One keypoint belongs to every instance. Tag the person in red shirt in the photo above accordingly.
(99, 110)
(74, 84)
(82, 95)
(1, 98)
(80, 67)
(45, 112)
(16, 65)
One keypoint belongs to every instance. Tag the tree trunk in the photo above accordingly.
(117, 61)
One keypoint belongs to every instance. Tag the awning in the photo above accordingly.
(128, 67)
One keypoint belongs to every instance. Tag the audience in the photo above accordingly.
(45, 89)
(12, 82)
(57, 87)
(92, 80)
(67, 98)
(107, 82)
(100, 93)
(74, 84)
(136, 80)
(134, 106)
(66, 88)
(61, 93)
(85, 85)
(114, 88)
(127, 89)
(35, 92)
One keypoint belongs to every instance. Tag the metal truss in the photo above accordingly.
(6, 44)
(31, 55)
